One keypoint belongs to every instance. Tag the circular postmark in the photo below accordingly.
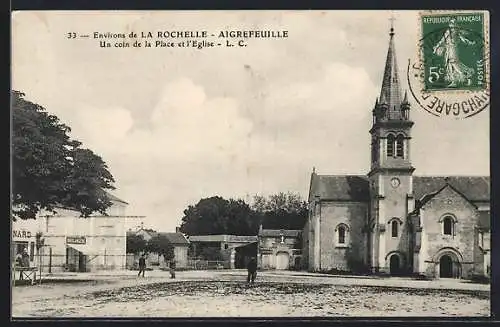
(450, 75)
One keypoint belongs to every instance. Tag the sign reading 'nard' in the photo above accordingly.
(21, 234)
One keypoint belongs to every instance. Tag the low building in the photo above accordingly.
(74, 243)
(177, 239)
(235, 250)
(24, 238)
(279, 249)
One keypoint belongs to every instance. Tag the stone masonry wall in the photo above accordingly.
(333, 256)
(464, 240)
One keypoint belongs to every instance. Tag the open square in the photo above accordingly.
(250, 164)
(275, 294)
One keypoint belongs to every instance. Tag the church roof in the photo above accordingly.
(474, 188)
(340, 187)
(356, 187)
(427, 197)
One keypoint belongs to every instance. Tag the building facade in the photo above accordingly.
(390, 220)
(235, 250)
(74, 243)
(279, 249)
(178, 241)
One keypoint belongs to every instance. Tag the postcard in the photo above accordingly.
(298, 164)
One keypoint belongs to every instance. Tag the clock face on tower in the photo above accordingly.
(395, 182)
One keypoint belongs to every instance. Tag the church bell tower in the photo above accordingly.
(391, 172)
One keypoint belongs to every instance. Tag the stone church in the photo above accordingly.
(390, 220)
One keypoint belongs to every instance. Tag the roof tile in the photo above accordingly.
(356, 187)
(341, 187)
(175, 238)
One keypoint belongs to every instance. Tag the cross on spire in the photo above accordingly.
(392, 19)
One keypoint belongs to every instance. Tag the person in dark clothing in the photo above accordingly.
(172, 269)
(142, 266)
(25, 258)
(252, 270)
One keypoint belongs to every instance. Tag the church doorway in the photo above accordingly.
(395, 265)
(448, 263)
(446, 267)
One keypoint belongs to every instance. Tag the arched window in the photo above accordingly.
(395, 222)
(341, 233)
(390, 145)
(400, 146)
(394, 228)
(448, 225)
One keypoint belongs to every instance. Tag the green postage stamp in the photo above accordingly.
(453, 51)
(449, 75)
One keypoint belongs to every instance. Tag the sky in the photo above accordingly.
(176, 125)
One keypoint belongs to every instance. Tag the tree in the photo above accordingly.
(161, 245)
(215, 215)
(49, 168)
(135, 243)
(281, 210)
(242, 220)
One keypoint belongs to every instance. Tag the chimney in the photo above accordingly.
(177, 229)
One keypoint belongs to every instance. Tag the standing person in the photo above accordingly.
(142, 265)
(172, 269)
(25, 258)
(19, 264)
(19, 260)
(252, 270)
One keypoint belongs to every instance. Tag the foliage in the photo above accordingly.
(135, 243)
(215, 215)
(161, 244)
(281, 210)
(49, 168)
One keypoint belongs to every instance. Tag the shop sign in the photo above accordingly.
(75, 240)
(21, 234)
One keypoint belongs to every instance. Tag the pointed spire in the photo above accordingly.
(391, 89)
